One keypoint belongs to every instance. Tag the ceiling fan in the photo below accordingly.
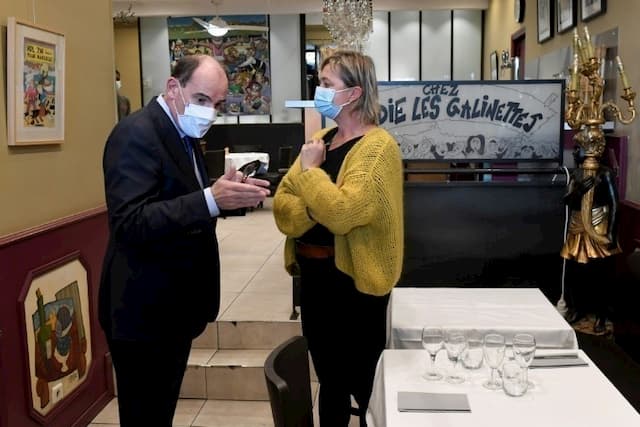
(218, 27)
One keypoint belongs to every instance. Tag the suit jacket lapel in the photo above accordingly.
(172, 142)
(201, 165)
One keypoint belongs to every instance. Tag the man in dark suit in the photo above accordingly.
(160, 282)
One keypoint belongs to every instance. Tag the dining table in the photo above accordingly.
(562, 396)
(478, 311)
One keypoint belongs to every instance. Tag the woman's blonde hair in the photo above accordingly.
(356, 69)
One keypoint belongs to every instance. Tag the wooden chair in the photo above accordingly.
(286, 371)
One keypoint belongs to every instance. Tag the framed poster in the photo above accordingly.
(545, 20)
(591, 8)
(243, 51)
(474, 121)
(57, 330)
(567, 15)
(493, 61)
(35, 84)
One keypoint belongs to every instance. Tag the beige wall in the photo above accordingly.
(39, 184)
(500, 24)
(127, 56)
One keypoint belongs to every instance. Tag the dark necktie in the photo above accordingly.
(193, 159)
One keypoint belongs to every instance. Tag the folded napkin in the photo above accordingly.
(557, 361)
(409, 401)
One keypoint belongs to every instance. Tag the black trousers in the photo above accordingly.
(148, 375)
(346, 332)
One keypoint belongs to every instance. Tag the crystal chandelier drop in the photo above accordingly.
(125, 17)
(349, 22)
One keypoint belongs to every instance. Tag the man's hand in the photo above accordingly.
(230, 192)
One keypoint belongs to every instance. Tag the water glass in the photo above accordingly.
(514, 379)
(432, 341)
(524, 349)
(493, 349)
(455, 343)
(472, 354)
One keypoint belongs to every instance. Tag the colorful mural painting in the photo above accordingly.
(243, 53)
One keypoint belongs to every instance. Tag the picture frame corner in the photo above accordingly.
(599, 9)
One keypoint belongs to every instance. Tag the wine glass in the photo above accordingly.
(494, 347)
(524, 349)
(455, 343)
(432, 340)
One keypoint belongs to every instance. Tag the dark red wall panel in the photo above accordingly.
(84, 235)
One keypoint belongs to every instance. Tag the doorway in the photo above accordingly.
(518, 54)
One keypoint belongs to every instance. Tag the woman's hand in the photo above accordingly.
(312, 154)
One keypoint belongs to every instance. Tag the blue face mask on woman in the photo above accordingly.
(323, 102)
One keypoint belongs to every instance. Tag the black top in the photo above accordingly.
(319, 234)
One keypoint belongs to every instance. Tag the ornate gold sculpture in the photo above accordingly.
(585, 113)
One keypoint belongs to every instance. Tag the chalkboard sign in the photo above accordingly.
(506, 121)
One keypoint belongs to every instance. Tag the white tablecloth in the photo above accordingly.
(238, 159)
(561, 397)
(503, 310)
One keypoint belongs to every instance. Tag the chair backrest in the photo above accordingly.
(285, 157)
(214, 160)
(286, 371)
(247, 148)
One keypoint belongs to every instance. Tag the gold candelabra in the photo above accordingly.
(585, 110)
(585, 114)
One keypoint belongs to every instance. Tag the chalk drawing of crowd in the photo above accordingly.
(474, 147)
(39, 95)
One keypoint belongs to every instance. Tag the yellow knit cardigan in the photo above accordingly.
(363, 209)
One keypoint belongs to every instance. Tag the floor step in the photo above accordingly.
(225, 375)
(256, 335)
(246, 335)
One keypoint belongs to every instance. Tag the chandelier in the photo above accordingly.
(125, 17)
(349, 22)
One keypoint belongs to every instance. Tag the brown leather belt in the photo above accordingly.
(314, 251)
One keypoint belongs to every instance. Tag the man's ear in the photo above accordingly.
(173, 88)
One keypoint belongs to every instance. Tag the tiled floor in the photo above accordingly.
(255, 287)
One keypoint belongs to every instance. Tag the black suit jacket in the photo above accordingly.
(161, 271)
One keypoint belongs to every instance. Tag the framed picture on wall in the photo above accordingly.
(57, 331)
(591, 8)
(35, 84)
(545, 20)
(493, 61)
(243, 51)
(567, 15)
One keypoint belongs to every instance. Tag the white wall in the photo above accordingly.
(285, 67)
(467, 44)
(403, 47)
(436, 45)
(377, 47)
(154, 52)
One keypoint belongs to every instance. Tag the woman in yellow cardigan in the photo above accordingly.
(341, 208)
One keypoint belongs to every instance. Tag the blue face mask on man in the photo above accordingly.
(196, 119)
(323, 102)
